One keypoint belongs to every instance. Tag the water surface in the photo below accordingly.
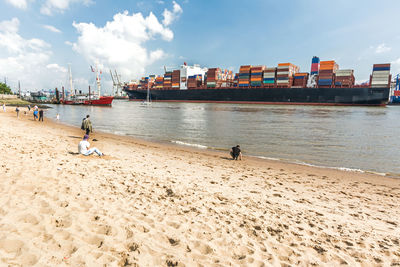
(359, 138)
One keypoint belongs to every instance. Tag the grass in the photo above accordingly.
(14, 102)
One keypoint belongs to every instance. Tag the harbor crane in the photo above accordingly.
(117, 85)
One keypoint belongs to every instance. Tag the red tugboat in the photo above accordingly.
(89, 99)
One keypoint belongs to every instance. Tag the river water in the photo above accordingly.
(353, 138)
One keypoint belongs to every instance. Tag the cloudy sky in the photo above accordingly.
(39, 38)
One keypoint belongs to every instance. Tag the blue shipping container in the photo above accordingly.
(381, 68)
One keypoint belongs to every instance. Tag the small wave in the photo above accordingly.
(118, 133)
(327, 167)
(189, 144)
(261, 157)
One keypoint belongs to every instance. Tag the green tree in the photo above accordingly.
(5, 89)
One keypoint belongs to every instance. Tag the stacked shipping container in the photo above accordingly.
(314, 66)
(344, 78)
(167, 79)
(269, 76)
(176, 79)
(284, 74)
(244, 76)
(159, 82)
(300, 79)
(213, 77)
(256, 75)
(380, 75)
(327, 70)
(194, 81)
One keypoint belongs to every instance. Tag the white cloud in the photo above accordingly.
(56, 67)
(68, 43)
(160, 2)
(382, 48)
(9, 26)
(170, 16)
(396, 66)
(51, 6)
(51, 28)
(28, 60)
(120, 44)
(22, 4)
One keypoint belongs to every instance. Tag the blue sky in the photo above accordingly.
(38, 38)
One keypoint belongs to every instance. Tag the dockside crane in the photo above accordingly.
(119, 84)
(114, 83)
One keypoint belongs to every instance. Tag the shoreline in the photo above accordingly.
(221, 154)
(157, 204)
(225, 152)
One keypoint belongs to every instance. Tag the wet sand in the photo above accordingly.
(161, 205)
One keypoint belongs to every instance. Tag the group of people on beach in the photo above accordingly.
(38, 114)
(83, 146)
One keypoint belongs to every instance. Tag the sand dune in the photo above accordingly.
(148, 204)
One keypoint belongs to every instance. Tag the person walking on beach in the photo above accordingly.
(58, 117)
(236, 153)
(41, 115)
(4, 107)
(29, 108)
(35, 114)
(87, 125)
(83, 147)
(17, 110)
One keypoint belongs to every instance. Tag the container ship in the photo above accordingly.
(326, 84)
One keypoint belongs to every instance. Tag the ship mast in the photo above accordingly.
(98, 81)
(70, 80)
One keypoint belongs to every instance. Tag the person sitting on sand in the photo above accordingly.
(236, 153)
(83, 147)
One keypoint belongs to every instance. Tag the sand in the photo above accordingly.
(147, 204)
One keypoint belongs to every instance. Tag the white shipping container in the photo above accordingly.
(387, 72)
(379, 85)
(380, 82)
(344, 72)
(269, 75)
(343, 75)
(378, 76)
(282, 81)
(282, 73)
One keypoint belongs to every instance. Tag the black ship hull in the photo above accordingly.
(299, 96)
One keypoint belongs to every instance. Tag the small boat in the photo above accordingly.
(148, 99)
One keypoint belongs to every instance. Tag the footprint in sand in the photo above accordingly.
(28, 259)
(95, 240)
(63, 222)
(29, 218)
(11, 245)
(203, 248)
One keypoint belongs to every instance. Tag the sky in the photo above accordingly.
(40, 38)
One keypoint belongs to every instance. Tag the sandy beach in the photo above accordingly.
(149, 204)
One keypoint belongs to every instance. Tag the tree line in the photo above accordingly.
(5, 89)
